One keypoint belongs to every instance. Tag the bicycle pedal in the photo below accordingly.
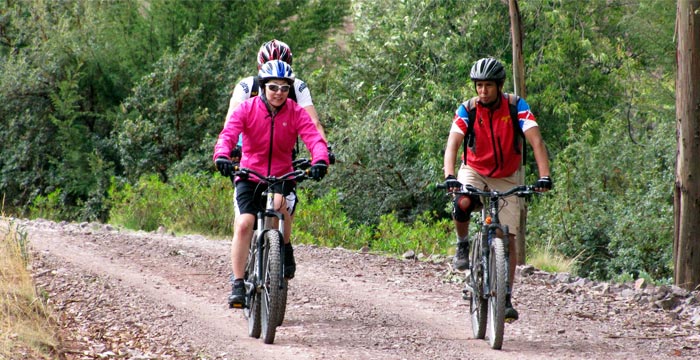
(236, 306)
(466, 294)
(509, 320)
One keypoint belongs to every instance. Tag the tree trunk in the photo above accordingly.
(686, 245)
(516, 31)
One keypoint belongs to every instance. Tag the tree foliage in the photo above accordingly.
(166, 115)
(94, 93)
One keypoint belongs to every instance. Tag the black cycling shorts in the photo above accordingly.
(249, 195)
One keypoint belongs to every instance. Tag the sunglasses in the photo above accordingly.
(276, 88)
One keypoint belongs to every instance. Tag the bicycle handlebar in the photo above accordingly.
(520, 190)
(300, 173)
(301, 163)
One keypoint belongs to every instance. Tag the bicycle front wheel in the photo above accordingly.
(272, 297)
(477, 304)
(252, 309)
(497, 298)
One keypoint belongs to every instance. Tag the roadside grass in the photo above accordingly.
(27, 328)
(548, 259)
(203, 205)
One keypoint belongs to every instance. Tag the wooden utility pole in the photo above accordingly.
(686, 242)
(516, 30)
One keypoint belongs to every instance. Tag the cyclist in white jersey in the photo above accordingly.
(275, 50)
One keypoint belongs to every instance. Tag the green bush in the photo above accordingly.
(188, 204)
(424, 235)
(140, 206)
(612, 203)
(322, 222)
(47, 207)
(204, 205)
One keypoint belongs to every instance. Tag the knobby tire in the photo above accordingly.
(252, 310)
(477, 304)
(272, 290)
(283, 301)
(497, 300)
(268, 225)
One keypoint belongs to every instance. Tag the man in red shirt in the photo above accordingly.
(492, 158)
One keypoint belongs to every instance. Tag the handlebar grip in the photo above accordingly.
(440, 186)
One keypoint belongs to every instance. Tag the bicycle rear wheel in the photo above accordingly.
(252, 310)
(477, 304)
(272, 297)
(497, 300)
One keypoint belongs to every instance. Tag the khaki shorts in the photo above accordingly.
(510, 213)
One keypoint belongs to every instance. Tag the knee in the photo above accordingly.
(244, 223)
(462, 209)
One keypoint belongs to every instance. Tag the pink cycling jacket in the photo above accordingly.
(262, 152)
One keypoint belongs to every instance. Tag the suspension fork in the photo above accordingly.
(260, 245)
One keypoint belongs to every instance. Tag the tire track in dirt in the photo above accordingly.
(342, 304)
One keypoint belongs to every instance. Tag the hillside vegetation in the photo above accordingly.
(110, 110)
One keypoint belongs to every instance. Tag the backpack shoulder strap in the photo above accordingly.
(513, 106)
(470, 105)
(469, 142)
(519, 135)
(292, 93)
(255, 89)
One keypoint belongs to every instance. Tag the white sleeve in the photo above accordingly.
(455, 128)
(302, 92)
(241, 93)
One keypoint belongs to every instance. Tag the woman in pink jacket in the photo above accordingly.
(270, 124)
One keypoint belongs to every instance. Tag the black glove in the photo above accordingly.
(544, 183)
(236, 154)
(331, 155)
(318, 170)
(451, 182)
(224, 165)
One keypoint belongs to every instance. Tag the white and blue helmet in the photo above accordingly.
(276, 69)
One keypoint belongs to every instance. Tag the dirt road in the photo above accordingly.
(137, 295)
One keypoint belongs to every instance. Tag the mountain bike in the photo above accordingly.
(487, 284)
(266, 286)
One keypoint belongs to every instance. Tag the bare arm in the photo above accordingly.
(534, 137)
(232, 105)
(311, 110)
(450, 159)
